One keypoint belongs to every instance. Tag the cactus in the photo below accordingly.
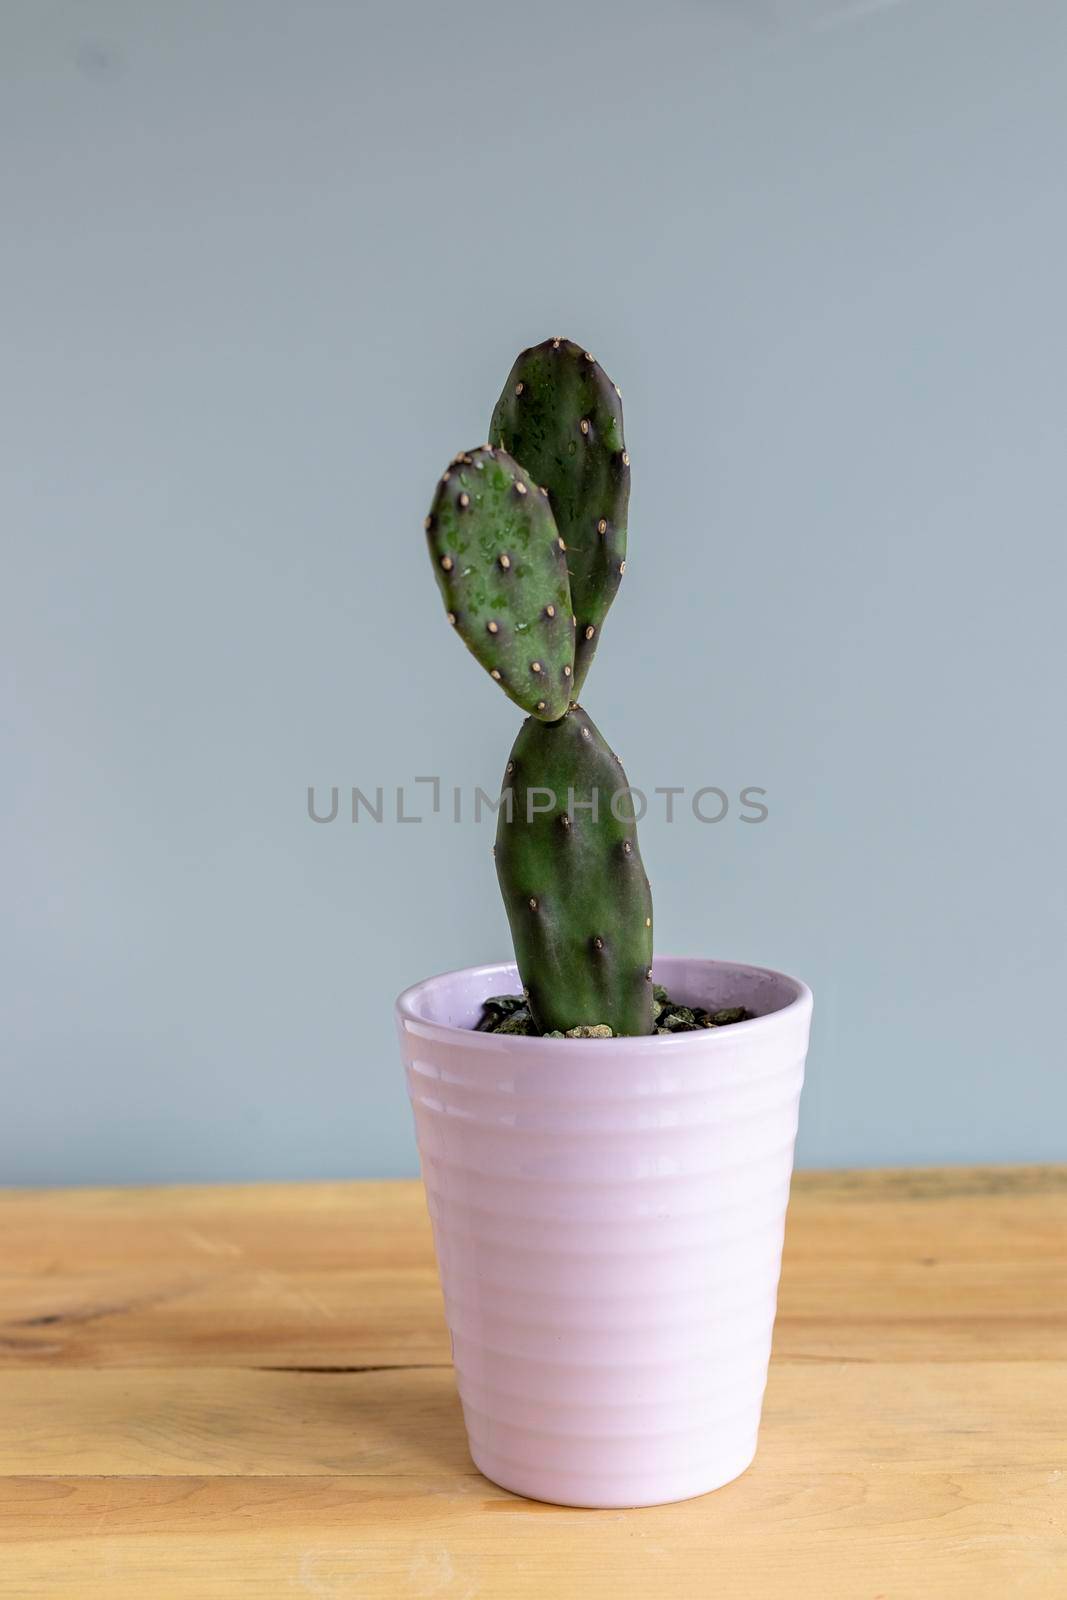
(574, 886)
(561, 416)
(501, 567)
(528, 542)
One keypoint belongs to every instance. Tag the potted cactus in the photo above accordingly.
(606, 1139)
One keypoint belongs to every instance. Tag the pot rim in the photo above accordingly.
(411, 1018)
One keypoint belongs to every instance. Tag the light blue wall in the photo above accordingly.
(265, 268)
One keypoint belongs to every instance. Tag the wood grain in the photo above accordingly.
(246, 1391)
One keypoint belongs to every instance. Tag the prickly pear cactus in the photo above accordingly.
(561, 416)
(501, 566)
(574, 886)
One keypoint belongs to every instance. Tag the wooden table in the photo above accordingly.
(246, 1391)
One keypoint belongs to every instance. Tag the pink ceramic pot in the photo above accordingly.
(608, 1219)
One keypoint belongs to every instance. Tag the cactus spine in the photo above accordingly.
(528, 539)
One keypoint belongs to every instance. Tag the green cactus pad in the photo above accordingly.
(502, 569)
(574, 887)
(561, 416)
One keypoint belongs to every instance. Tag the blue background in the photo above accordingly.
(266, 268)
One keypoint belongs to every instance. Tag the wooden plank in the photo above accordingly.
(887, 1265)
(890, 1535)
(275, 1226)
(158, 1316)
(159, 1433)
(202, 1421)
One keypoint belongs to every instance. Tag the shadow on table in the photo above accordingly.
(394, 1420)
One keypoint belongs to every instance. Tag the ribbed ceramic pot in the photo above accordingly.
(608, 1220)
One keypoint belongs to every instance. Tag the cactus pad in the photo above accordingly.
(574, 886)
(502, 569)
(561, 416)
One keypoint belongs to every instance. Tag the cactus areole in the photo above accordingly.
(527, 535)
